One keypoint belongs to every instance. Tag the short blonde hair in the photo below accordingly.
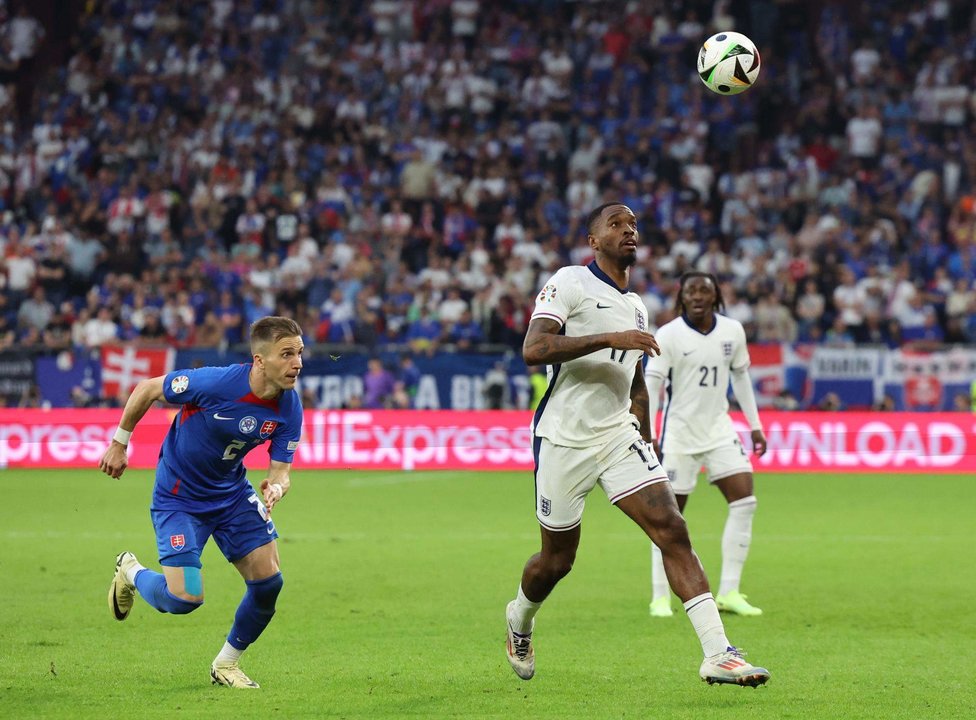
(271, 329)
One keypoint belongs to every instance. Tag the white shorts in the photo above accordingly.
(564, 476)
(721, 462)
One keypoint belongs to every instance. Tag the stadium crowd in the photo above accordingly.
(404, 174)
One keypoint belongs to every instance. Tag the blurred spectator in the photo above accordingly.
(496, 390)
(409, 374)
(539, 383)
(839, 334)
(452, 307)
(774, 323)
(424, 333)
(961, 403)
(508, 323)
(338, 315)
(153, 332)
(886, 404)
(228, 311)
(830, 402)
(35, 312)
(210, 333)
(378, 385)
(810, 307)
(400, 399)
(465, 334)
(396, 223)
(99, 330)
(785, 401)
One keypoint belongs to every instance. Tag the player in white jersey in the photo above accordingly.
(701, 353)
(593, 427)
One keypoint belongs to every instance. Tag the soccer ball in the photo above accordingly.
(728, 63)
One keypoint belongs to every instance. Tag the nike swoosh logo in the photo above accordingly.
(115, 607)
(603, 307)
(218, 416)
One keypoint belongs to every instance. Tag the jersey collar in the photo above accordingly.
(595, 269)
(708, 332)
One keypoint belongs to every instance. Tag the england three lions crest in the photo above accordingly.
(727, 349)
(641, 322)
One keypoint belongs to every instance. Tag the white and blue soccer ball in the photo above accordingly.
(728, 63)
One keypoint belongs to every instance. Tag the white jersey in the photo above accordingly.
(696, 368)
(588, 399)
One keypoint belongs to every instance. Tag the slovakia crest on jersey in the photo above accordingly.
(268, 427)
(641, 323)
(248, 424)
(178, 542)
(727, 349)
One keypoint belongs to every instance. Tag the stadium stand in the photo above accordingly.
(401, 175)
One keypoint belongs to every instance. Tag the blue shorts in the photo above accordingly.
(238, 529)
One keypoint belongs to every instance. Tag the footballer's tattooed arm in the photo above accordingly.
(545, 346)
(640, 402)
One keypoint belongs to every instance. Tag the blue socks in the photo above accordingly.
(255, 611)
(253, 614)
(152, 586)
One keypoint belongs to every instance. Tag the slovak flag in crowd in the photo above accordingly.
(124, 366)
(775, 367)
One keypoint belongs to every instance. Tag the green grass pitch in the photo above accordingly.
(395, 586)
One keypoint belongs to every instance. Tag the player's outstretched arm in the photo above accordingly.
(274, 487)
(146, 392)
(545, 346)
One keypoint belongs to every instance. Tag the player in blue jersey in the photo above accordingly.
(201, 488)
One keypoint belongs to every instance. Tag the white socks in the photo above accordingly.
(703, 613)
(659, 578)
(735, 542)
(523, 613)
(736, 539)
(228, 655)
(131, 573)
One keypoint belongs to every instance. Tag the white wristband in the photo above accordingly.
(277, 486)
(122, 436)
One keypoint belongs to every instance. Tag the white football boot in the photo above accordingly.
(519, 649)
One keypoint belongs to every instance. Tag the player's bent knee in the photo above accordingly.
(191, 590)
(560, 565)
(179, 605)
(672, 531)
(265, 592)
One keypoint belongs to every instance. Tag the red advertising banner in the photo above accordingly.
(500, 440)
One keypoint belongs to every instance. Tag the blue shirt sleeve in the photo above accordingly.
(191, 387)
(285, 439)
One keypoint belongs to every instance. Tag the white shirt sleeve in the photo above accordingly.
(740, 358)
(558, 298)
(742, 388)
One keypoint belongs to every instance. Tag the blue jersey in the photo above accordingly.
(201, 464)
